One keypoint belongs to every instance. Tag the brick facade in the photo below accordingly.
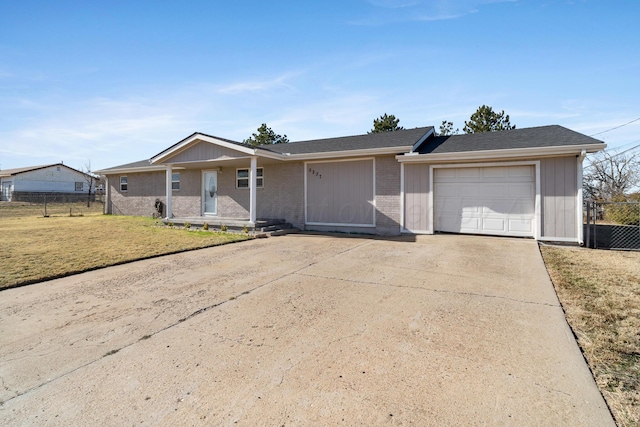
(139, 199)
(282, 196)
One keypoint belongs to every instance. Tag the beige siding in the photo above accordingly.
(387, 195)
(559, 188)
(340, 192)
(416, 197)
(204, 151)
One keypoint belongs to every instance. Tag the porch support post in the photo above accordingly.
(168, 192)
(252, 189)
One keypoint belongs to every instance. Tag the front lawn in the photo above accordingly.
(34, 248)
(600, 293)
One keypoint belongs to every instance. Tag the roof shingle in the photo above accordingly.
(399, 138)
(543, 136)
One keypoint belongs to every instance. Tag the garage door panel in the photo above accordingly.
(457, 206)
(488, 200)
(468, 173)
(452, 188)
(521, 173)
(524, 190)
(493, 224)
(466, 223)
(496, 172)
(521, 225)
(490, 190)
(506, 207)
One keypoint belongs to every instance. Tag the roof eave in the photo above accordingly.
(347, 153)
(138, 169)
(509, 153)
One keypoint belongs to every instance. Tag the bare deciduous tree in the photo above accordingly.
(90, 178)
(610, 176)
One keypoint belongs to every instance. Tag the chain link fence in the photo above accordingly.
(612, 225)
(51, 204)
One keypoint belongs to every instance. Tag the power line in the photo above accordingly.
(620, 147)
(613, 155)
(617, 127)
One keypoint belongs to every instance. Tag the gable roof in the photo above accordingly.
(199, 136)
(138, 164)
(17, 171)
(535, 137)
(399, 139)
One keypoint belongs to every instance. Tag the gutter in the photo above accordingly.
(345, 153)
(131, 170)
(508, 153)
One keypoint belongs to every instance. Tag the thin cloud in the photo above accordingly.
(394, 11)
(257, 85)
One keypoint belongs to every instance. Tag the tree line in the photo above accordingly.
(483, 120)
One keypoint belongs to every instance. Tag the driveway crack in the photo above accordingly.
(476, 294)
(181, 320)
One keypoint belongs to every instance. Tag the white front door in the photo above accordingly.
(210, 193)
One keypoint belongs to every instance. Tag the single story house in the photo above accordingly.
(521, 182)
(22, 184)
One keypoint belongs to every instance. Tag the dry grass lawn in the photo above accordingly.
(600, 293)
(34, 248)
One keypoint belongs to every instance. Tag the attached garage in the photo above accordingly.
(495, 200)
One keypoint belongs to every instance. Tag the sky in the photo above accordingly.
(105, 83)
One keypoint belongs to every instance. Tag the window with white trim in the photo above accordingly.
(123, 183)
(242, 178)
(175, 181)
(79, 186)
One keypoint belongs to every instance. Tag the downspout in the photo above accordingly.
(580, 201)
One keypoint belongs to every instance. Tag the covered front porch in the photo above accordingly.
(209, 185)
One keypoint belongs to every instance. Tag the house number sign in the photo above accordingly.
(315, 172)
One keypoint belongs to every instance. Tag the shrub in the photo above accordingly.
(169, 224)
(205, 226)
(623, 214)
(245, 230)
(223, 228)
(187, 225)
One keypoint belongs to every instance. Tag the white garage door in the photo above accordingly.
(485, 200)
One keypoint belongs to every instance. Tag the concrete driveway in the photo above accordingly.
(300, 330)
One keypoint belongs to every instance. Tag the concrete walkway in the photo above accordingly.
(300, 330)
